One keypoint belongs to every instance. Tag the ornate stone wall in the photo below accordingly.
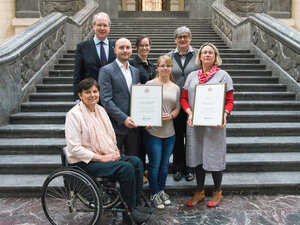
(33, 61)
(223, 25)
(284, 56)
(67, 7)
(276, 8)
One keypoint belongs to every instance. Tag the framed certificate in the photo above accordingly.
(146, 105)
(209, 104)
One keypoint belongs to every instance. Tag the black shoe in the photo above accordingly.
(139, 217)
(177, 176)
(143, 209)
(189, 177)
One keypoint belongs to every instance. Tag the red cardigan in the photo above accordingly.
(228, 100)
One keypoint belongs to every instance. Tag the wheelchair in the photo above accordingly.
(71, 196)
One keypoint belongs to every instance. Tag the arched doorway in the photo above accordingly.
(153, 5)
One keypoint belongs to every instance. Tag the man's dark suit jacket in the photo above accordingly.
(87, 62)
(115, 95)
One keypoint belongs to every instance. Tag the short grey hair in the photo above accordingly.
(101, 14)
(181, 30)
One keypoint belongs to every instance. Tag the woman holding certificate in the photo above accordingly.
(206, 145)
(147, 72)
(159, 141)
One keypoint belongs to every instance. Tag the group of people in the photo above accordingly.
(103, 139)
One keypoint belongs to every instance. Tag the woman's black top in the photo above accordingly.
(147, 72)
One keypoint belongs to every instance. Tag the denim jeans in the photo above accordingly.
(159, 151)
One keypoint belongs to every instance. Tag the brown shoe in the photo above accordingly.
(198, 196)
(215, 199)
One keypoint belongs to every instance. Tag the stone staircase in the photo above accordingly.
(263, 130)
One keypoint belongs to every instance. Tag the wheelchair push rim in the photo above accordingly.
(71, 197)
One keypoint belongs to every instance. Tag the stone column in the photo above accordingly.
(174, 5)
(296, 14)
(110, 7)
(201, 9)
(131, 5)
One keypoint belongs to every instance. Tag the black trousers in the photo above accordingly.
(179, 159)
(128, 172)
(130, 141)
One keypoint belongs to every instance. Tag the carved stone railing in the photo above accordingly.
(27, 57)
(276, 8)
(277, 44)
(41, 8)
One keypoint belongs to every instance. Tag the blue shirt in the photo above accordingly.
(105, 45)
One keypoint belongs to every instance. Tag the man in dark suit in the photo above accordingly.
(115, 80)
(92, 54)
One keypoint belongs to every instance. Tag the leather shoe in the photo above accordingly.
(143, 209)
(137, 216)
(177, 176)
(189, 177)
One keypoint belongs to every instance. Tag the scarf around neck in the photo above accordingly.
(101, 132)
(203, 78)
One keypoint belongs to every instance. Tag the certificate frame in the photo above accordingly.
(146, 104)
(209, 104)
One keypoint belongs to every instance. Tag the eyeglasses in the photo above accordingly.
(165, 66)
(182, 37)
(207, 53)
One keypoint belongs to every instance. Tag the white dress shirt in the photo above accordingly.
(126, 73)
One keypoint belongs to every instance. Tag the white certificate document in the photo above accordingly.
(209, 104)
(146, 105)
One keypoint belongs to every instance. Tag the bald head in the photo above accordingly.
(123, 49)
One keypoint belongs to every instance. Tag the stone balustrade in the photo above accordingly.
(27, 57)
(277, 44)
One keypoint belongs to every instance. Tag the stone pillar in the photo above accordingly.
(131, 5)
(174, 5)
(7, 13)
(110, 7)
(296, 14)
(200, 9)
(27, 9)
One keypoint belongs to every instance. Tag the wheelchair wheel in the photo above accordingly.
(71, 197)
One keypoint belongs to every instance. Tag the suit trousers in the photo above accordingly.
(128, 172)
(130, 141)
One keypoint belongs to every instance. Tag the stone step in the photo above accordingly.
(259, 87)
(68, 96)
(69, 73)
(223, 66)
(156, 55)
(262, 129)
(263, 144)
(38, 118)
(228, 51)
(243, 162)
(54, 97)
(233, 60)
(263, 116)
(47, 106)
(263, 96)
(286, 182)
(267, 105)
(235, 117)
(237, 87)
(236, 79)
(29, 164)
(233, 130)
(32, 131)
(33, 146)
(234, 145)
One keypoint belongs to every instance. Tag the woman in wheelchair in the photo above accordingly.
(92, 146)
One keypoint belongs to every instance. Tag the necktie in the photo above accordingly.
(102, 54)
